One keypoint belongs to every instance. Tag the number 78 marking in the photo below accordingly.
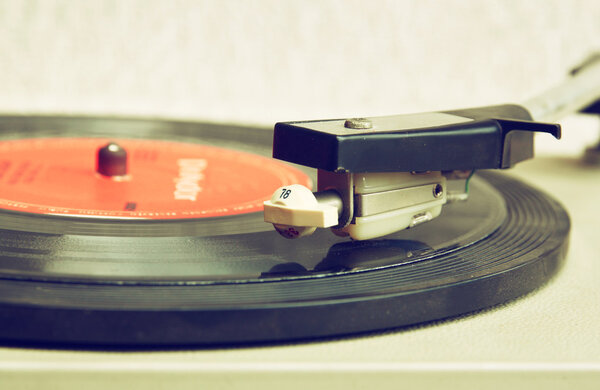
(284, 193)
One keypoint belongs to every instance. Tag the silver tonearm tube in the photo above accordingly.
(580, 90)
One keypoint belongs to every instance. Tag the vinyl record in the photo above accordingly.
(176, 252)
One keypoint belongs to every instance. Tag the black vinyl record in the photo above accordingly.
(232, 279)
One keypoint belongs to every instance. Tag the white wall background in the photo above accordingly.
(265, 60)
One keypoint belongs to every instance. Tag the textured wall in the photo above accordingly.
(263, 61)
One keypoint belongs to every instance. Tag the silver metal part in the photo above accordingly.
(331, 198)
(575, 93)
(420, 218)
(343, 184)
(456, 197)
(380, 202)
(358, 123)
(456, 185)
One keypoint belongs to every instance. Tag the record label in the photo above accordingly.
(165, 180)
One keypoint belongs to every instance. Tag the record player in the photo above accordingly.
(97, 255)
(138, 247)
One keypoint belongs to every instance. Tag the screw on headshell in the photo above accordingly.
(358, 123)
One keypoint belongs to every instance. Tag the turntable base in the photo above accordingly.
(549, 337)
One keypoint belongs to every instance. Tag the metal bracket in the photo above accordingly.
(343, 184)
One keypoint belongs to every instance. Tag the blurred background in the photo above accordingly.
(262, 61)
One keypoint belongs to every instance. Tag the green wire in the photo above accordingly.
(468, 180)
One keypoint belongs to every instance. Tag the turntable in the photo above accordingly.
(127, 235)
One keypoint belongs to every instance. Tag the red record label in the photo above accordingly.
(165, 180)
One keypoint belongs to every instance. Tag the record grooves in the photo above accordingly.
(231, 279)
